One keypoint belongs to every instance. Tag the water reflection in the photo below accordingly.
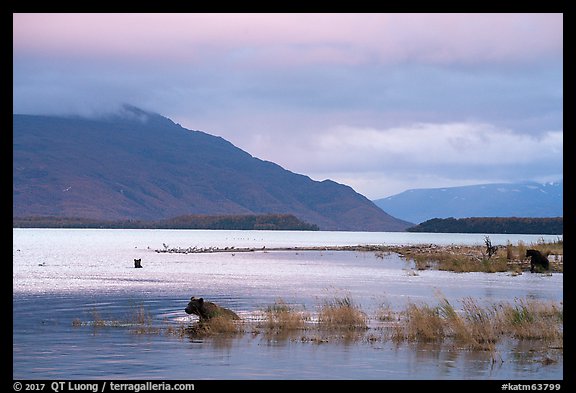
(47, 299)
(257, 353)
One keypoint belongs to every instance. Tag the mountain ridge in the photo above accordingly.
(136, 164)
(520, 199)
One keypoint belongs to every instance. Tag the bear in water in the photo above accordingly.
(207, 310)
(537, 260)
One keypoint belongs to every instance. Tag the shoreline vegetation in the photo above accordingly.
(471, 326)
(519, 225)
(456, 258)
(270, 222)
(289, 222)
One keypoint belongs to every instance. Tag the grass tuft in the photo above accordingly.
(283, 317)
(342, 314)
(479, 327)
(423, 323)
(532, 320)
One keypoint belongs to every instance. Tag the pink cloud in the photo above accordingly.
(443, 38)
(293, 38)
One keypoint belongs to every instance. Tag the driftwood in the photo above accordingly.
(490, 249)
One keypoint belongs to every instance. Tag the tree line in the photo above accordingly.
(287, 222)
(520, 225)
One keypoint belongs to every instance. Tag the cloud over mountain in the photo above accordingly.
(136, 164)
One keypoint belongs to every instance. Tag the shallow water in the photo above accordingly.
(64, 275)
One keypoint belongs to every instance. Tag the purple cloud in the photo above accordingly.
(284, 86)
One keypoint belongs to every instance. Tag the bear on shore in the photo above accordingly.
(207, 310)
(537, 261)
(138, 263)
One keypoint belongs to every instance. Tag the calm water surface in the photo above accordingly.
(62, 275)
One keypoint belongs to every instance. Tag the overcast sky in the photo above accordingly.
(381, 102)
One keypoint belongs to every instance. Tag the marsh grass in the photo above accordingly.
(281, 317)
(219, 325)
(423, 323)
(97, 321)
(479, 327)
(179, 330)
(463, 259)
(342, 314)
(532, 320)
(140, 322)
(547, 248)
(485, 265)
(471, 325)
(140, 316)
(460, 263)
(509, 251)
(384, 313)
(520, 249)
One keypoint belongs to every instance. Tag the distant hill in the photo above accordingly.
(139, 165)
(536, 226)
(526, 199)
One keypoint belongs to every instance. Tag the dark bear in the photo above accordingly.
(537, 260)
(137, 263)
(208, 310)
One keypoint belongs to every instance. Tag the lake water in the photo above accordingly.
(63, 275)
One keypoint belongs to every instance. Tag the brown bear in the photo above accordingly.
(537, 260)
(207, 310)
(137, 263)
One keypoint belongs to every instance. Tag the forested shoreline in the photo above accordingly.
(519, 225)
(229, 222)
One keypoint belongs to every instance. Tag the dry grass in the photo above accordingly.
(384, 313)
(219, 325)
(462, 259)
(532, 320)
(97, 321)
(554, 247)
(342, 314)
(485, 265)
(423, 323)
(471, 261)
(140, 316)
(141, 322)
(283, 317)
(472, 325)
(180, 330)
(480, 327)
